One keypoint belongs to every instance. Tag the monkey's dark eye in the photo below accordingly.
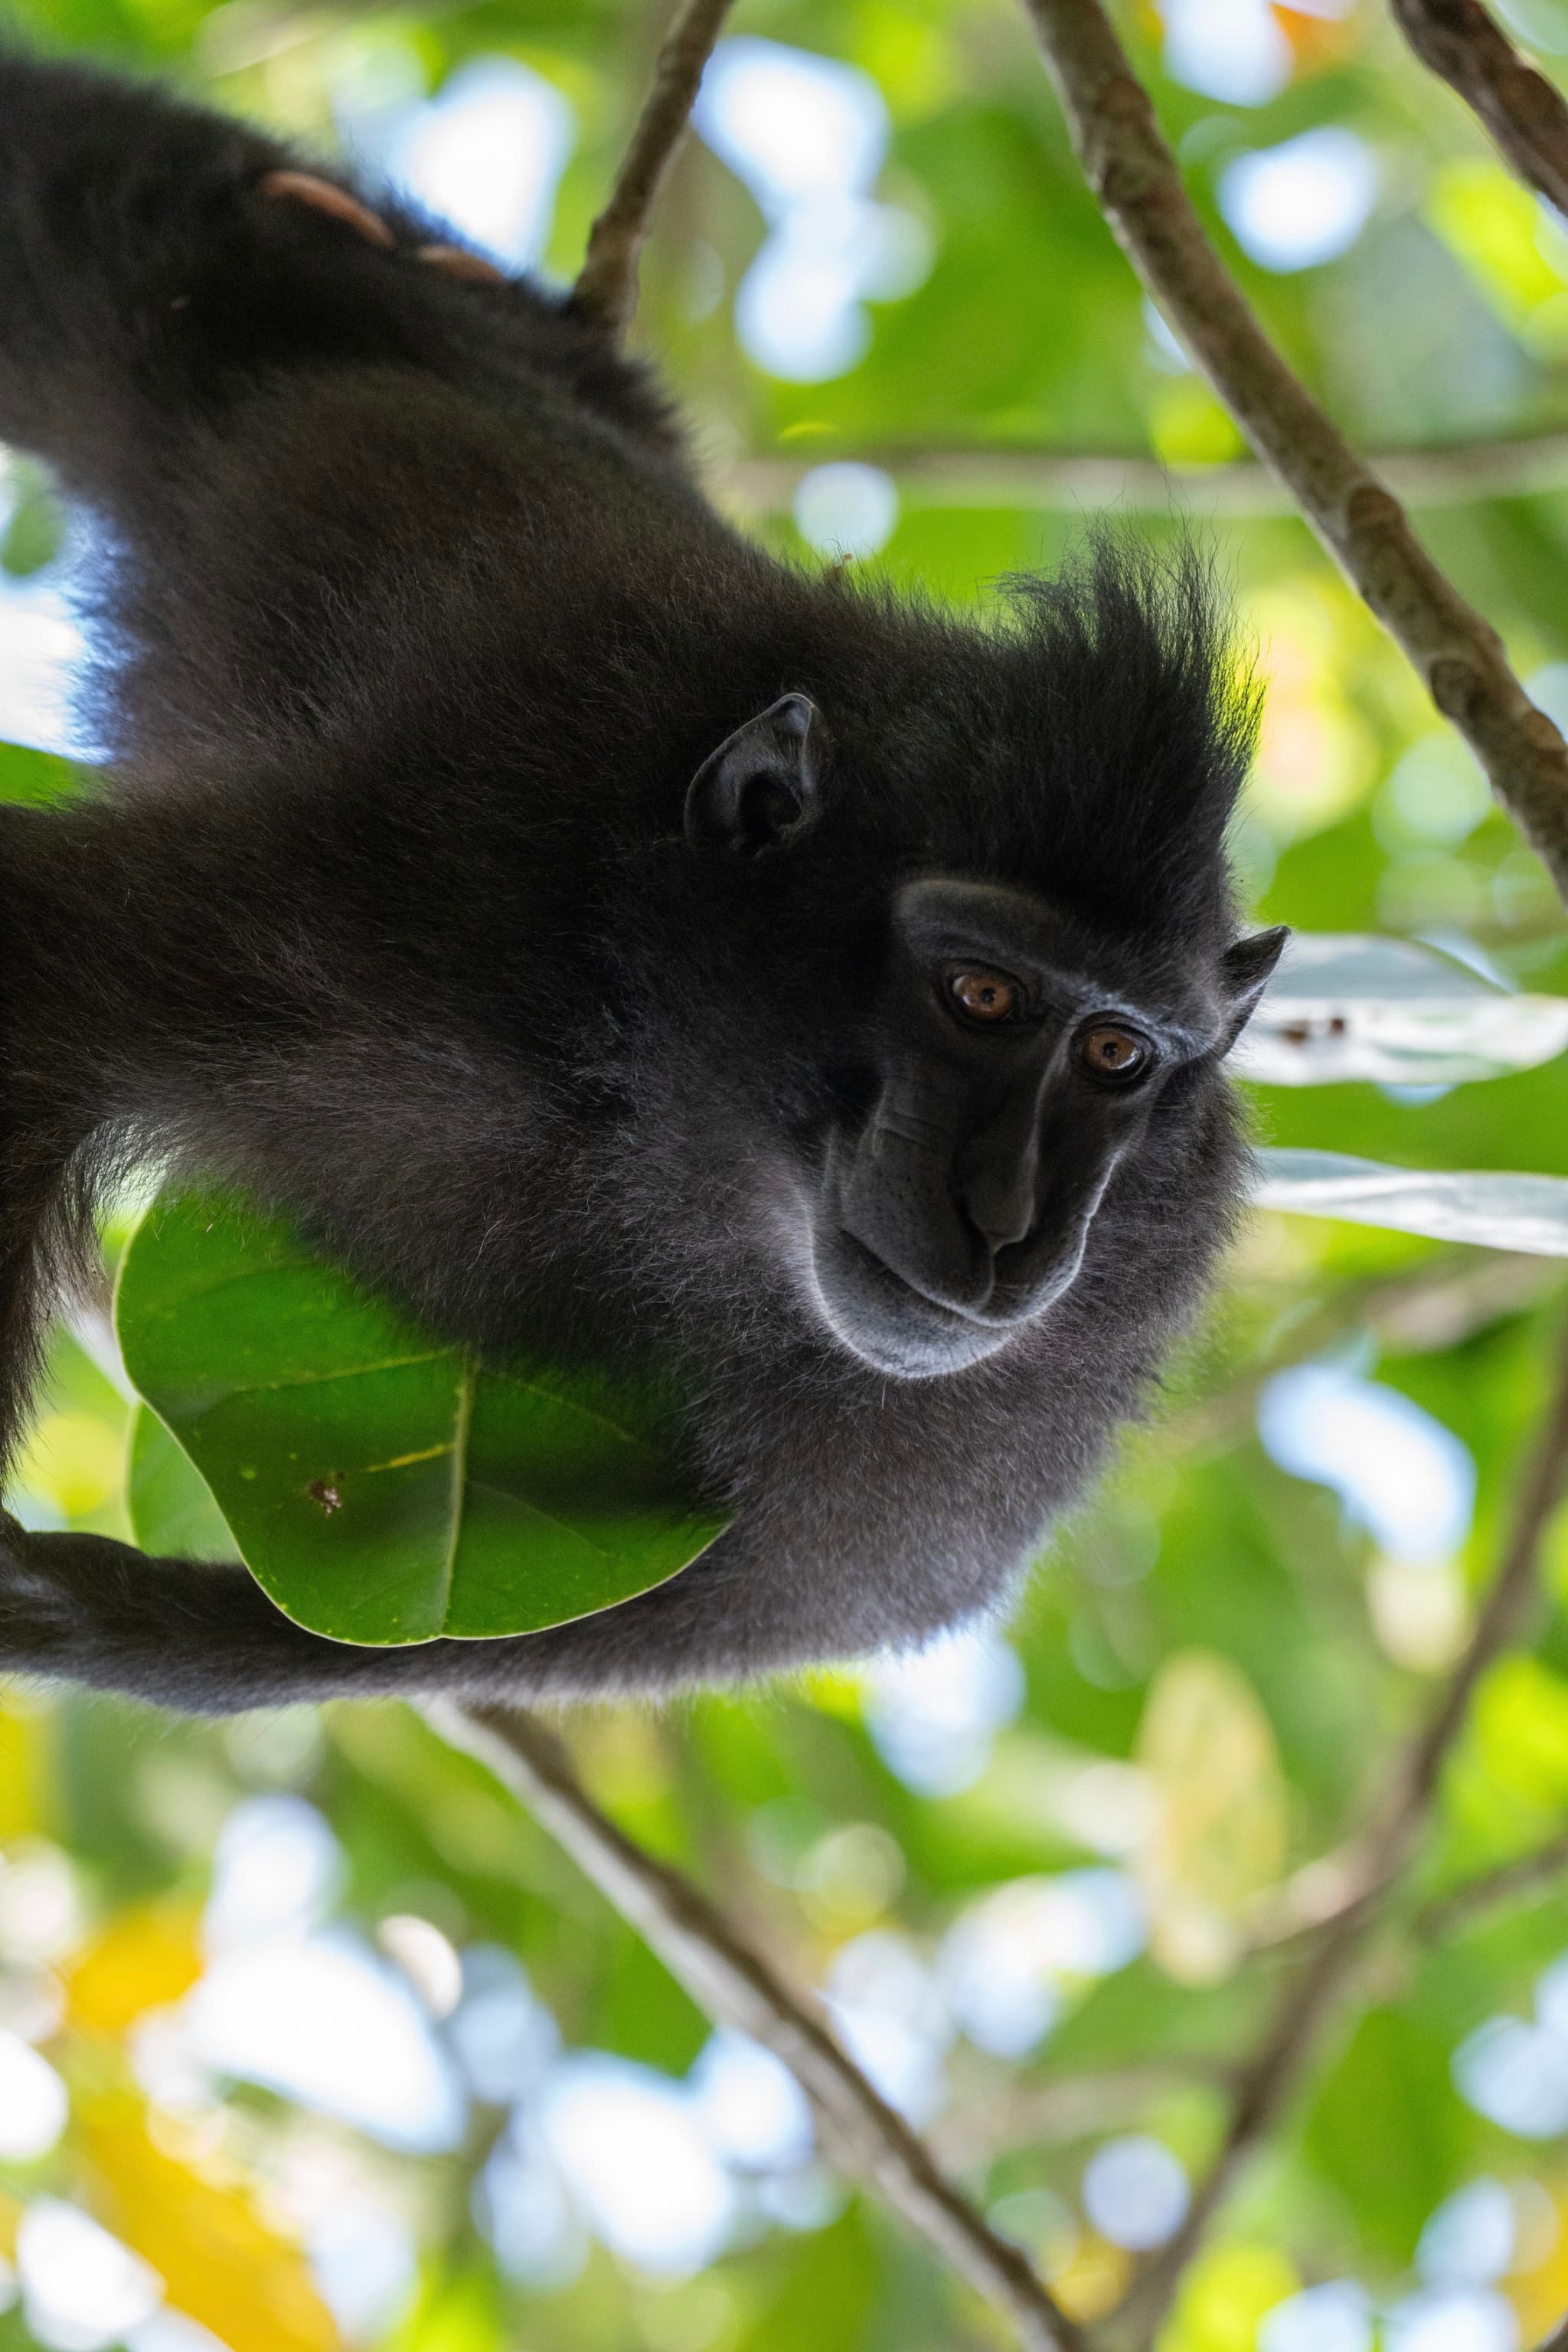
(1112, 1054)
(981, 995)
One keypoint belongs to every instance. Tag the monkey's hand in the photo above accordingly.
(337, 204)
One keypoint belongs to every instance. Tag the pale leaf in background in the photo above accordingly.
(1495, 1208)
(1343, 1006)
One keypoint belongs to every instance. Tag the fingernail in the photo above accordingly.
(304, 188)
(459, 263)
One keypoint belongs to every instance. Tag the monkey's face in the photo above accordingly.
(1017, 1069)
(1015, 1059)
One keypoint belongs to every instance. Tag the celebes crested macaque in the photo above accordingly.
(593, 932)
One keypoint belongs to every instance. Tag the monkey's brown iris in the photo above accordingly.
(1107, 1051)
(985, 996)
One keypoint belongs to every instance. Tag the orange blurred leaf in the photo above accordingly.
(1540, 2295)
(144, 1958)
(1317, 41)
(220, 2262)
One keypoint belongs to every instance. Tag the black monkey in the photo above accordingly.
(589, 928)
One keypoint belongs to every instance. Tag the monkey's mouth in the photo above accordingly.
(889, 1325)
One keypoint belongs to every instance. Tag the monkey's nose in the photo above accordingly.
(1000, 1205)
(998, 1171)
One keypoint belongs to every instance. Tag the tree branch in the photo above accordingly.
(1456, 650)
(1062, 481)
(1522, 114)
(607, 281)
(739, 1987)
(1063, 2108)
(1445, 1911)
(1313, 1990)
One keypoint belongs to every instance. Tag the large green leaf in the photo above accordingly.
(381, 1485)
(171, 1504)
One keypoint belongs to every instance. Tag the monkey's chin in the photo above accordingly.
(885, 1325)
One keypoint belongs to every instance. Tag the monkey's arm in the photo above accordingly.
(204, 1638)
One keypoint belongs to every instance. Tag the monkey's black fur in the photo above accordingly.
(415, 630)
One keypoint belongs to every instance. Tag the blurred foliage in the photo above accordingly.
(1213, 1667)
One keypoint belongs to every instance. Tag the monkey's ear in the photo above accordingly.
(761, 789)
(1245, 972)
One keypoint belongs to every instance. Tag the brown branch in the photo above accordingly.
(1456, 650)
(1324, 1892)
(1526, 1871)
(1522, 114)
(1062, 481)
(1557, 2341)
(1338, 1884)
(738, 1986)
(1313, 1990)
(1068, 2107)
(607, 281)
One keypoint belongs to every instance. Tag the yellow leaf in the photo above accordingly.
(1540, 2293)
(458, 2313)
(74, 1459)
(1188, 427)
(144, 1958)
(21, 1773)
(1497, 230)
(833, 1691)
(1092, 2280)
(1509, 1781)
(1223, 2297)
(1217, 1829)
(221, 2264)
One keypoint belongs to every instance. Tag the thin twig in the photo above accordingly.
(1341, 1879)
(1522, 1876)
(739, 1987)
(1068, 2107)
(1525, 118)
(607, 281)
(1312, 1991)
(1063, 480)
(1458, 652)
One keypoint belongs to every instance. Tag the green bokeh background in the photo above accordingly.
(1202, 1569)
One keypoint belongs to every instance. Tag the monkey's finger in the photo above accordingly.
(459, 263)
(304, 188)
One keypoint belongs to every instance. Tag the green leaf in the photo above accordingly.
(381, 1485)
(171, 1504)
(30, 778)
(31, 537)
